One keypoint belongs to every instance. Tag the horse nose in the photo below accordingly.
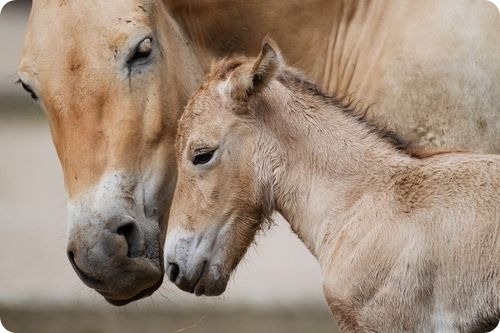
(100, 251)
(134, 238)
(127, 235)
(79, 272)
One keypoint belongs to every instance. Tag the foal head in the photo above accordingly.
(220, 201)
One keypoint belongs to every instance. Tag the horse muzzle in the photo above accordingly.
(115, 260)
(114, 243)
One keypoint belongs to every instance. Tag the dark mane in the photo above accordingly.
(347, 104)
(350, 106)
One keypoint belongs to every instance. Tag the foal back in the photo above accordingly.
(425, 255)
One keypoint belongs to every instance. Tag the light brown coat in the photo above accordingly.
(406, 244)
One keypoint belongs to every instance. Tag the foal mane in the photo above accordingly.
(347, 104)
(355, 109)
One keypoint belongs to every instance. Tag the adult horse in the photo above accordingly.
(113, 77)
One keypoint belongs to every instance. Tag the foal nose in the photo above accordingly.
(173, 271)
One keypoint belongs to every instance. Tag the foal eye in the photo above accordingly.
(203, 157)
(142, 51)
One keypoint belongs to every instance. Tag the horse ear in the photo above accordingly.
(257, 75)
(266, 66)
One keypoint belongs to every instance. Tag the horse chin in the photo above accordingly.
(143, 294)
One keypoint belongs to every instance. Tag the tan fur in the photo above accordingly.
(405, 244)
(355, 49)
(114, 131)
(428, 67)
(100, 119)
(430, 71)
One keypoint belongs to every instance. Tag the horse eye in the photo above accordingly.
(29, 90)
(143, 50)
(203, 157)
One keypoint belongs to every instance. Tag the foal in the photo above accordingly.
(405, 244)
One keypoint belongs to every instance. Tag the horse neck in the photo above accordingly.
(319, 158)
(348, 31)
(179, 53)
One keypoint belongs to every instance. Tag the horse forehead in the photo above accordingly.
(55, 27)
(70, 39)
(96, 7)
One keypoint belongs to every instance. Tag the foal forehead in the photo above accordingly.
(207, 103)
(203, 113)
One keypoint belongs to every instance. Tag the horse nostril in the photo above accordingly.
(84, 276)
(71, 257)
(173, 271)
(132, 235)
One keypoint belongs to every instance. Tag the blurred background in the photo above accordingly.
(277, 288)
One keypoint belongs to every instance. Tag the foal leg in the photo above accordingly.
(344, 313)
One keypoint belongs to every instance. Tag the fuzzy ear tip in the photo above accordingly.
(269, 43)
(267, 40)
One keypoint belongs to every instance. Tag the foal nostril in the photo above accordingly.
(133, 236)
(173, 271)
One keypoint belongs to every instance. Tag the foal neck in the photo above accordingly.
(323, 157)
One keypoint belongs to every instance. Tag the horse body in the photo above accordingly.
(411, 61)
(113, 78)
(405, 243)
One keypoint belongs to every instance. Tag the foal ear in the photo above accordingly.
(265, 68)
(267, 65)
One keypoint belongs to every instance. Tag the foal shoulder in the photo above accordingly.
(446, 180)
